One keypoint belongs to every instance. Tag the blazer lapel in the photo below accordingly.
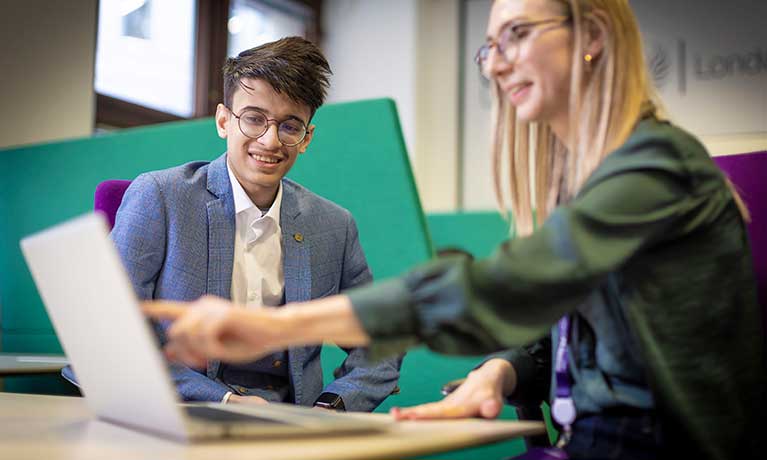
(296, 263)
(221, 228)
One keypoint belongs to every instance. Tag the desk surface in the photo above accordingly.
(25, 364)
(58, 427)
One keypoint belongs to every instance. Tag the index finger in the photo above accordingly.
(164, 309)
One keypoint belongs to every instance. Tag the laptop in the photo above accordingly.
(122, 373)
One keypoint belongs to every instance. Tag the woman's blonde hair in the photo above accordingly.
(607, 97)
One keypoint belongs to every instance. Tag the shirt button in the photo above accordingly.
(277, 363)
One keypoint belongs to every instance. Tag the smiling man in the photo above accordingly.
(237, 229)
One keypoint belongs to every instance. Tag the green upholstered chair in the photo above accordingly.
(477, 232)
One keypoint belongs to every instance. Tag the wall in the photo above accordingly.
(370, 47)
(477, 190)
(47, 54)
(437, 105)
(406, 50)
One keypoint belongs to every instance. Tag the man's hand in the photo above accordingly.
(237, 399)
(481, 395)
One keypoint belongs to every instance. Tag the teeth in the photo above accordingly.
(517, 88)
(266, 159)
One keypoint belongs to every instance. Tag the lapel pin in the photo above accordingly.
(298, 237)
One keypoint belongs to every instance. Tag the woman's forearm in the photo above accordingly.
(329, 319)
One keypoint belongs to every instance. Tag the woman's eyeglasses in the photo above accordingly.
(510, 39)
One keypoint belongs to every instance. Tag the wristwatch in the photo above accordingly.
(330, 401)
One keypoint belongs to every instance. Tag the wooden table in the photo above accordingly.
(59, 427)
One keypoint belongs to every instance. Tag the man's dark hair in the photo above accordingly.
(293, 66)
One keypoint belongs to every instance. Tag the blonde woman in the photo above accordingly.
(640, 265)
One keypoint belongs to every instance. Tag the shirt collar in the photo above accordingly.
(242, 201)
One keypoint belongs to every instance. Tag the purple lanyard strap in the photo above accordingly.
(563, 408)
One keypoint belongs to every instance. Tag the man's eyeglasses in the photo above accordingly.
(254, 124)
(510, 39)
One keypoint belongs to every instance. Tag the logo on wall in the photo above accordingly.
(661, 64)
(717, 67)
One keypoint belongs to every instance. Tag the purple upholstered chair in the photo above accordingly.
(748, 171)
(108, 196)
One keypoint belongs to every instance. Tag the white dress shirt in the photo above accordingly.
(257, 273)
(257, 276)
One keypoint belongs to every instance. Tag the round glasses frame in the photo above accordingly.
(510, 39)
(266, 127)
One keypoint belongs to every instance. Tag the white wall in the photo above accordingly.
(46, 56)
(476, 172)
(406, 50)
(370, 45)
(437, 106)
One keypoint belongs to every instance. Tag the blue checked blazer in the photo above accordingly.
(175, 233)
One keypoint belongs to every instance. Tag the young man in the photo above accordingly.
(237, 229)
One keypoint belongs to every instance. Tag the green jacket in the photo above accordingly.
(657, 216)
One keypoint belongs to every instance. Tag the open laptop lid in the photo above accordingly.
(96, 315)
(113, 349)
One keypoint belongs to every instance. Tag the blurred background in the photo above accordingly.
(73, 68)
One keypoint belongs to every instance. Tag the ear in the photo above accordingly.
(222, 117)
(595, 30)
(307, 140)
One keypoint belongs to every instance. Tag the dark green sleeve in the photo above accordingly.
(512, 298)
(532, 365)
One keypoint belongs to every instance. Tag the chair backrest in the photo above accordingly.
(747, 172)
(477, 232)
(108, 196)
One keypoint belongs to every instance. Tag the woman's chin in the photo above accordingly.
(527, 114)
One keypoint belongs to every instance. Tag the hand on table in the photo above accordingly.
(480, 395)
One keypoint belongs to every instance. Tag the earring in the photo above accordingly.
(588, 57)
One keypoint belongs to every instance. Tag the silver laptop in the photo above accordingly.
(111, 345)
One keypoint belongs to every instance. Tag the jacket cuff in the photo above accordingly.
(532, 368)
(387, 314)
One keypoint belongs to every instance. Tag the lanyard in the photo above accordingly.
(563, 408)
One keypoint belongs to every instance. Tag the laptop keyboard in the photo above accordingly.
(212, 414)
